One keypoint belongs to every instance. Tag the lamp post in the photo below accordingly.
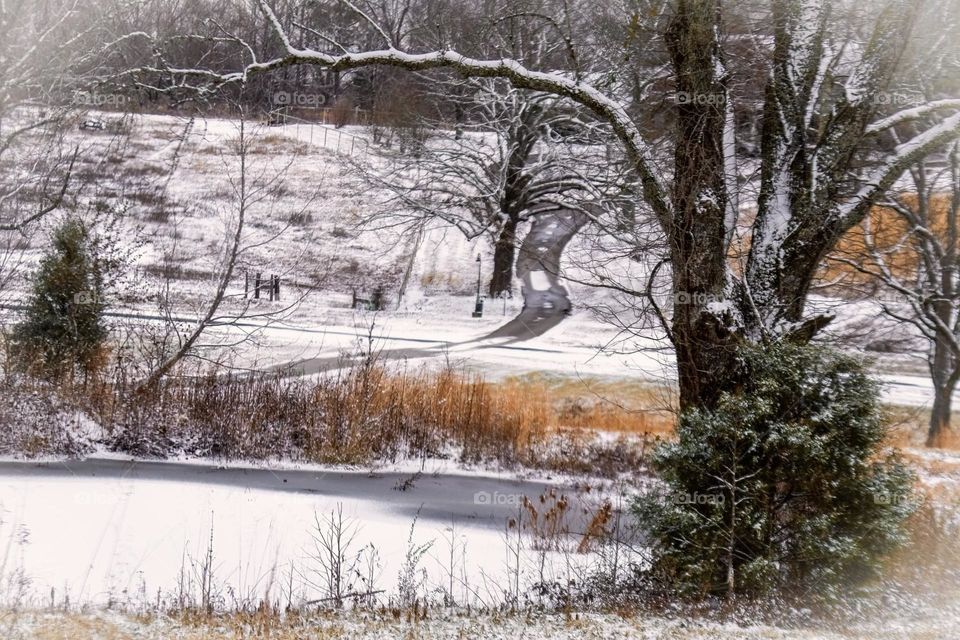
(478, 307)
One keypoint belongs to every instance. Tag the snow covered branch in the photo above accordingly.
(884, 176)
(551, 82)
(909, 115)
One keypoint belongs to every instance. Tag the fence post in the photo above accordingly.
(246, 284)
(276, 287)
(256, 286)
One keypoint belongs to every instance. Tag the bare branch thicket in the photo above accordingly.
(515, 156)
(909, 246)
(832, 144)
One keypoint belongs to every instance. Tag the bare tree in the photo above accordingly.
(507, 163)
(249, 189)
(910, 245)
(826, 155)
(39, 46)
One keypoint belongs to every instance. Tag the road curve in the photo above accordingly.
(546, 302)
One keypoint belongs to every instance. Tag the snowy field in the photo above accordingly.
(171, 176)
(139, 531)
(134, 535)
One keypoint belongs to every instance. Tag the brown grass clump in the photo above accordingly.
(635, 407)
(370, 412)
(362, 414)
(908, 428)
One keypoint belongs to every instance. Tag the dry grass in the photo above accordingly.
(442, 281)
(371, 412)
(432, 626)
(365, 413)
(278, 144)
(909, 428)
(622, 406)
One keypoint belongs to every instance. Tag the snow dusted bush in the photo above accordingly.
(783, 485)
(35, 421)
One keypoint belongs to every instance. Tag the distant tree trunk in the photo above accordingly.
(944, 372)
(504, 254)
(939, 433)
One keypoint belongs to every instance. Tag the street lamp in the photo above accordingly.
(478, 307)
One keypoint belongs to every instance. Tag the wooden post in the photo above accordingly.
(246, 284)
(276, 287)
(256, 286)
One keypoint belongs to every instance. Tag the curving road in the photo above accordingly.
(546, 302)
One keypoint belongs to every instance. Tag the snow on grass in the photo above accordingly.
(102, 531)
(439, 624)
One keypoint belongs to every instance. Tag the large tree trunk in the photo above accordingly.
(816, 178)
(704, 339)
(504, 254)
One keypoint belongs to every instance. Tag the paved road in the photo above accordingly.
(546, 302)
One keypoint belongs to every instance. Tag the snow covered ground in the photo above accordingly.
(447, 624)
(172, 177)
(108, 530)
(132, 535)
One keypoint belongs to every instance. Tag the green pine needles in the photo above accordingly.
(783, 485)
(63, 332)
